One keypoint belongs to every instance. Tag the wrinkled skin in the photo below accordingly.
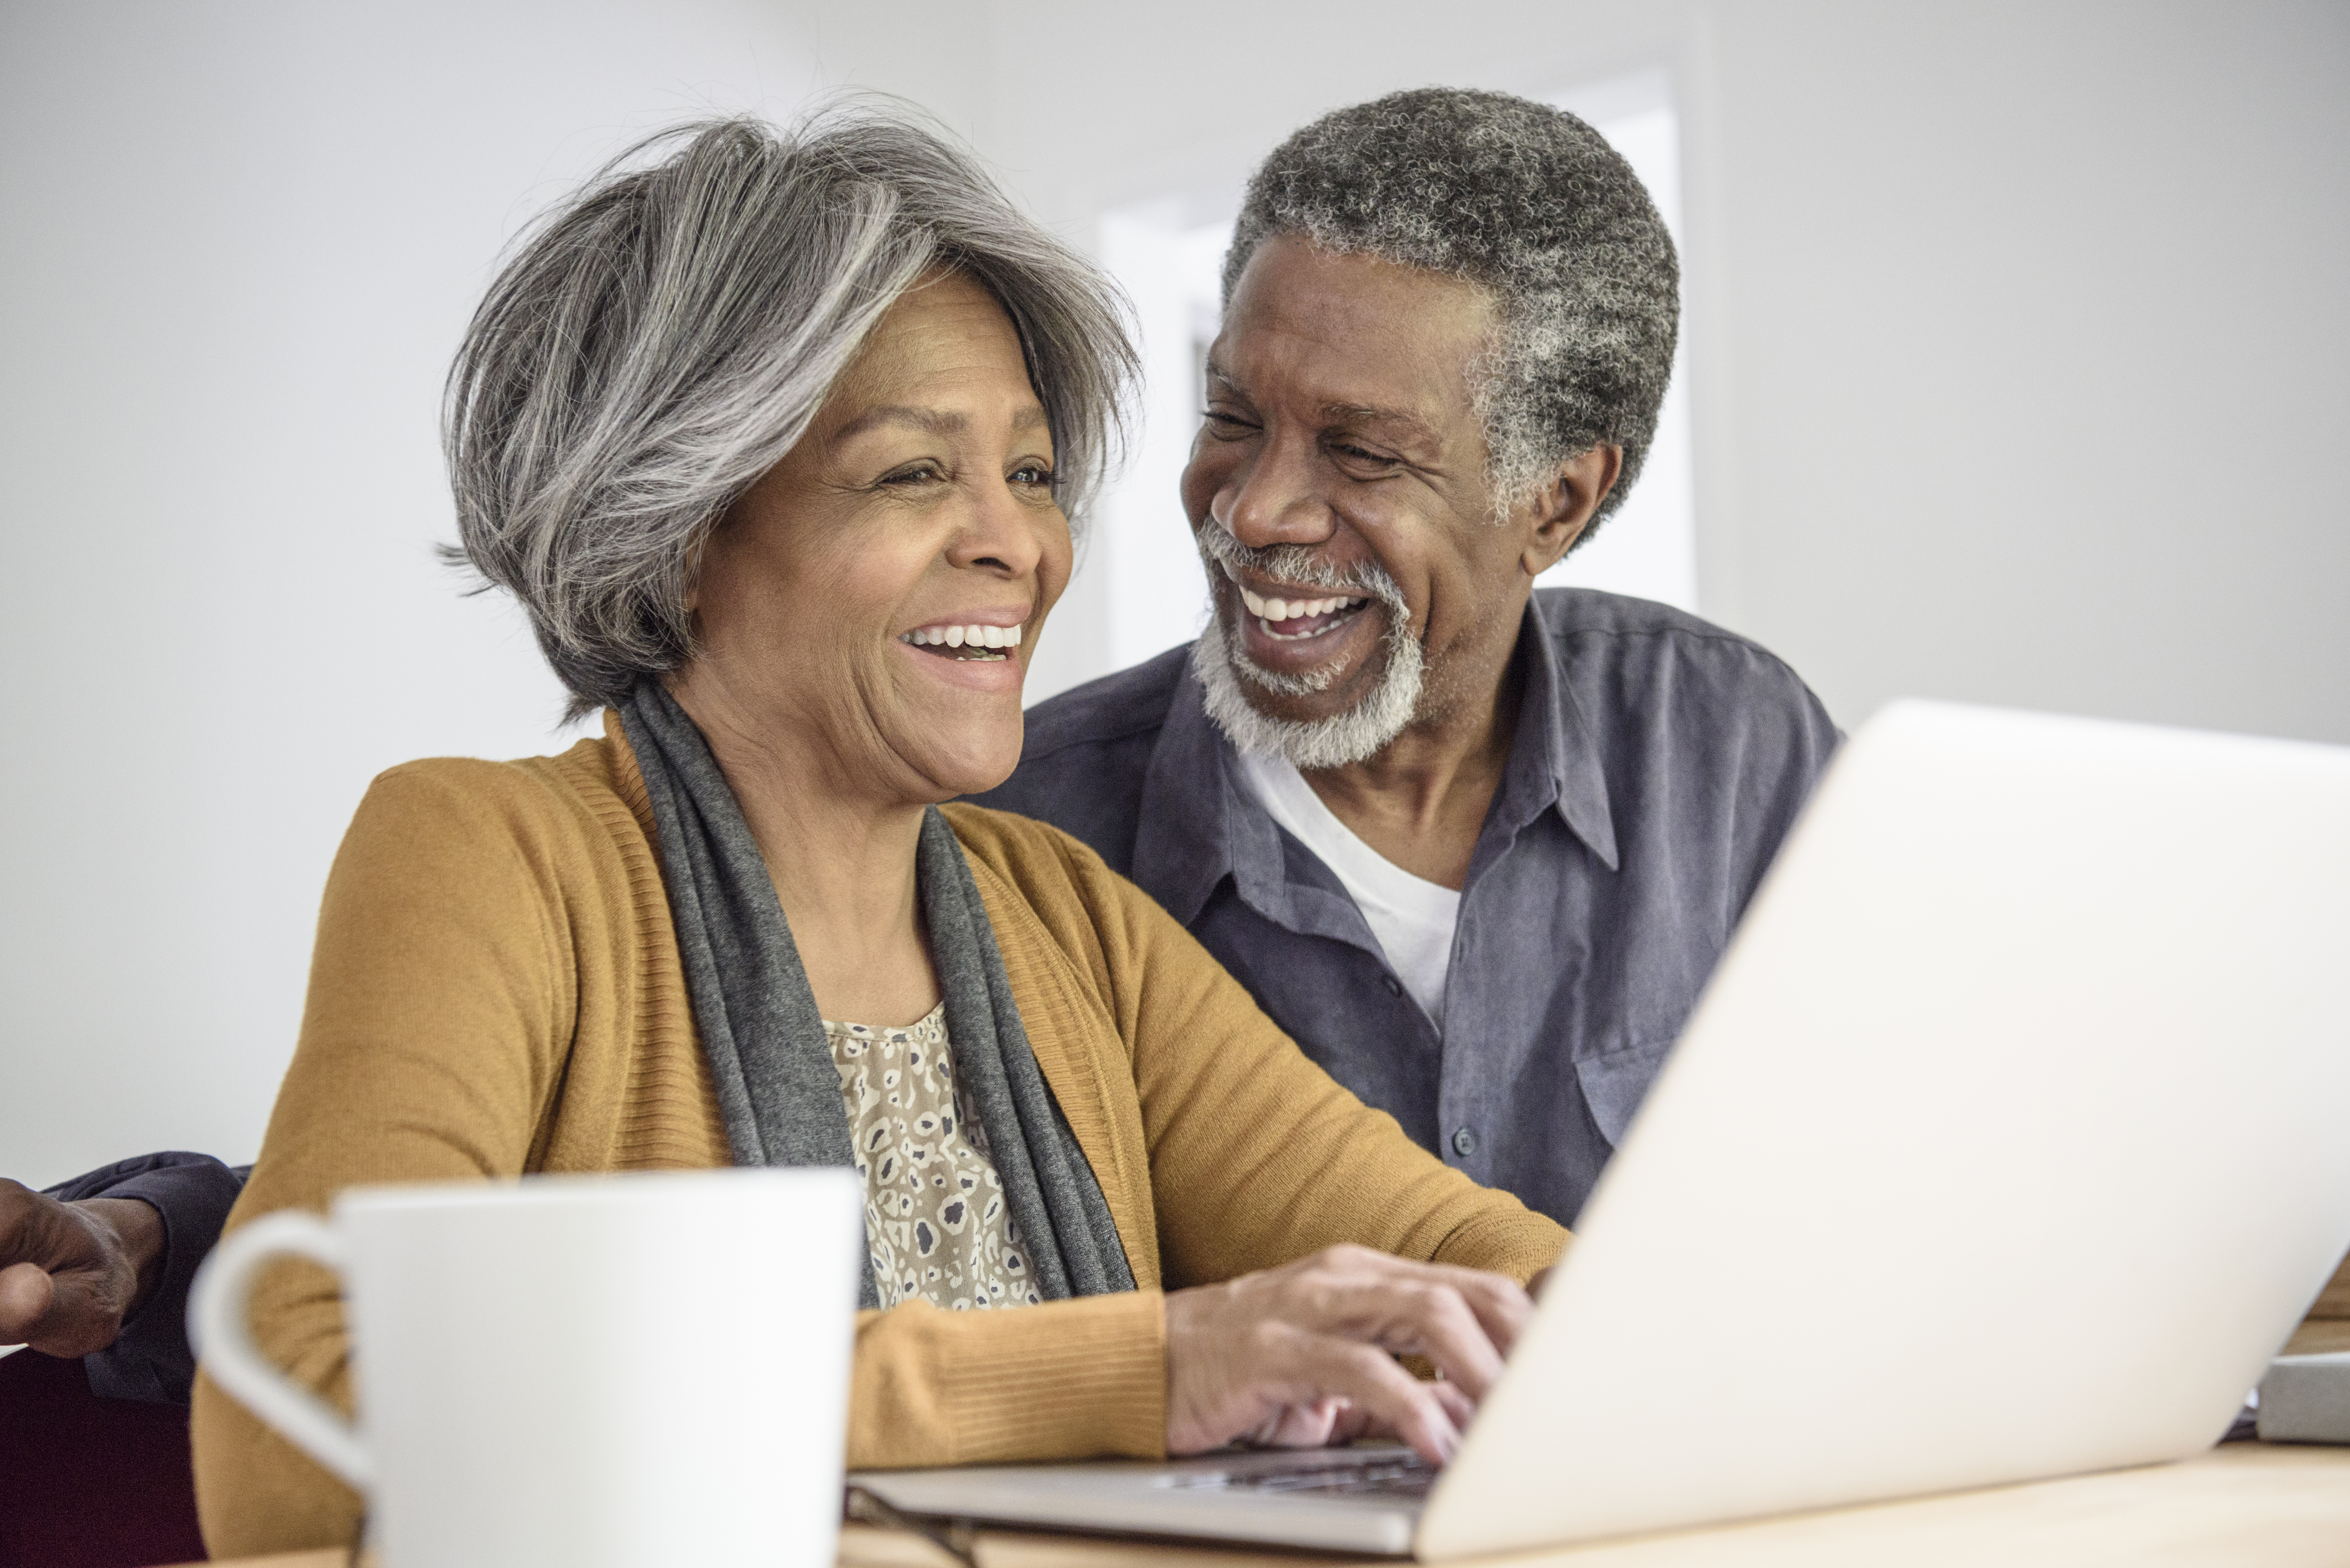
(72, 1273)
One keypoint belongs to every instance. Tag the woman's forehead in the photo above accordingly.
(946, 351)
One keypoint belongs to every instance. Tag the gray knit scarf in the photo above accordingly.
(777, 1086)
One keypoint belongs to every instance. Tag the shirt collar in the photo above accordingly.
(1199, 825)
(1553, 762)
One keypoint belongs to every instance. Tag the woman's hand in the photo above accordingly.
(71, 1273)
(1304, 1355)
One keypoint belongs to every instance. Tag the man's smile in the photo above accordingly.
(1297, 618)
(1289, 627)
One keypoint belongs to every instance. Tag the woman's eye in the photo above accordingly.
(1035, 473)
(920, 473)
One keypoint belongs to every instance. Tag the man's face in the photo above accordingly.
(1337, 492)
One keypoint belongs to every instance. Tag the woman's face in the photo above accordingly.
(836, 604)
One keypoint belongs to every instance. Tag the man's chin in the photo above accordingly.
(1328, 716)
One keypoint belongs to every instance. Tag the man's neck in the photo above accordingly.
(1421, 801)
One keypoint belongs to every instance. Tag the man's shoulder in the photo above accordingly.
(1615, 643)
(1088, 753)
(1659, 689)
(1129, 705)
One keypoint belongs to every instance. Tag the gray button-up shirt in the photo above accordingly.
(1657, 762)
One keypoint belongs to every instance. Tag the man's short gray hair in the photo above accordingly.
(1530, 203)
(662, 339)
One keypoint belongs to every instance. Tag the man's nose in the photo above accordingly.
(1275, 498)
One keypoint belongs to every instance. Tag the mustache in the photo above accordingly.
(1298, 563)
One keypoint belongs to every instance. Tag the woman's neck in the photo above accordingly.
(842, 861)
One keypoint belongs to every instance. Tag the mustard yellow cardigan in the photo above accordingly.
(496, 990)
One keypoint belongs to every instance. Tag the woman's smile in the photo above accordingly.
(978, 650)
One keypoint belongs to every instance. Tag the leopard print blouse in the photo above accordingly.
(935, 1222)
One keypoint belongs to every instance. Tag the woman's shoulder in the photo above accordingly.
(576, 801)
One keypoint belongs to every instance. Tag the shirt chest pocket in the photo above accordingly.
(1614, 1083)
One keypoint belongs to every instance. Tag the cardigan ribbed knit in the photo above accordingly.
(496, 990)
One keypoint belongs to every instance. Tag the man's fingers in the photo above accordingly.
(58, 1314)
(25, 1292)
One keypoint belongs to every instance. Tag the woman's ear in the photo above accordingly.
(1561, 510)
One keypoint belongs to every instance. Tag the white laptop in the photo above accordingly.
(2011, 1139)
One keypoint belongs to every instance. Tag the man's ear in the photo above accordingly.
(1561, 510)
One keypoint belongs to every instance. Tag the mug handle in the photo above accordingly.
(218, 1322)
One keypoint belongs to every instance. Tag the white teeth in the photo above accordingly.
(963, 637)
(1277, 610)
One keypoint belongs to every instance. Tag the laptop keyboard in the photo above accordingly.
(1386, 1476)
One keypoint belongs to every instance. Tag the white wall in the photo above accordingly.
(2032, 383)
(237, 244)
(2018, 337)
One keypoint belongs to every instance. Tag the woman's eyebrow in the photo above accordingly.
(931, 422)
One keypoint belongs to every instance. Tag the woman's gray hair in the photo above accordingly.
(1530, 203)
(661, 340)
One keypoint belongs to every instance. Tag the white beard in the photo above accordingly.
(1363, 731)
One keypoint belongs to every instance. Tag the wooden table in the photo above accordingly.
(2248, 1505)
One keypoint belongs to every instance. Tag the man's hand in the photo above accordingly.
(71, 1273)
(1303, 1356)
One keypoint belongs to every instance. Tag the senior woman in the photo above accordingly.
(776, 439)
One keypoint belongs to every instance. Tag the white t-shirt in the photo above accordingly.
(1412, 918)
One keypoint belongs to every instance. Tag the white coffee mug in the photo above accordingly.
(594, 1372)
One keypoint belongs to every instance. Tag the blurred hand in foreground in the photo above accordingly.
(72, 1273)
(1304, 1355)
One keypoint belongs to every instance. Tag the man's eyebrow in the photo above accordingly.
(1412, 426)
(1403, 421)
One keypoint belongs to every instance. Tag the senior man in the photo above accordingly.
(1475, 846)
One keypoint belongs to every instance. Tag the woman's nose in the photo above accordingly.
(1003, 533)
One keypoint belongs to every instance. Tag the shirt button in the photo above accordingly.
(1464, 1142)
(1395, 986)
